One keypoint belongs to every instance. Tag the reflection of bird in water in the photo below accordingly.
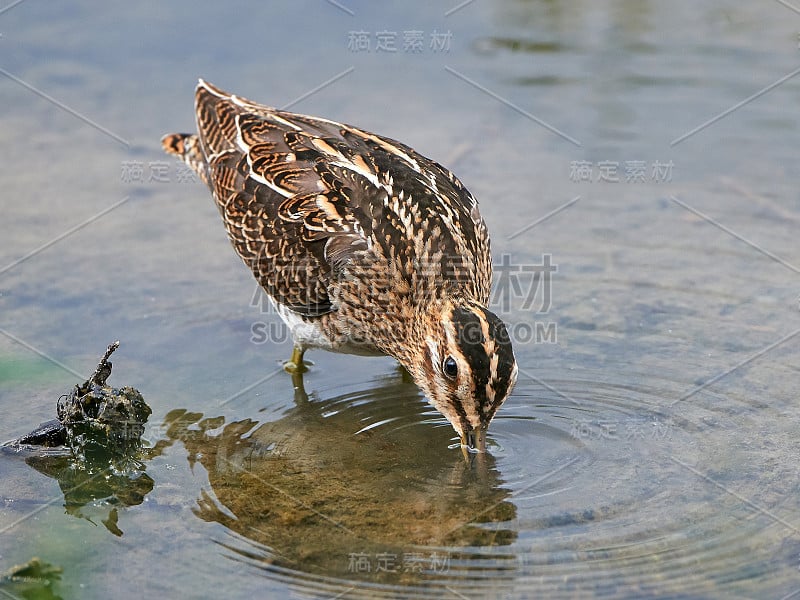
(364, 245)
(313, 492)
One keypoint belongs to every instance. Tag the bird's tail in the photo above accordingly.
(186, 146)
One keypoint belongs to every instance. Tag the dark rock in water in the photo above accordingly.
(51, 434)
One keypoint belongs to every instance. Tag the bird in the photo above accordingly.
(363, 245)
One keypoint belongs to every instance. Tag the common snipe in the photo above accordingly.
(363, 245)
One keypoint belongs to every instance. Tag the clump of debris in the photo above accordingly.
(95, 420)
(94, 448)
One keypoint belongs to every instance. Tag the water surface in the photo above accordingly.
(650, 447)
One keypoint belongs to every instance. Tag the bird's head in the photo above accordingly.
(465, 364)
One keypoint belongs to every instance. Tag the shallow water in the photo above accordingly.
(650, 447)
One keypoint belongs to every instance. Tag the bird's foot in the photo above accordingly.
(295, 365)
(295, 368)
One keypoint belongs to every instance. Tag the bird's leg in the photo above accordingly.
(300, 395)
(295, 365)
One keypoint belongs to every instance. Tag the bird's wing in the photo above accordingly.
(300, 196)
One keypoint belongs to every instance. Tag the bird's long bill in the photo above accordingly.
(474, 440)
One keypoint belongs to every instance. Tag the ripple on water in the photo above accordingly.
(590, 487)
(649, 501)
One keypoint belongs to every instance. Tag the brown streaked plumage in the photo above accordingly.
(364, 246)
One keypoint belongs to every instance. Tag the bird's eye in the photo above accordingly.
(450, 367)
